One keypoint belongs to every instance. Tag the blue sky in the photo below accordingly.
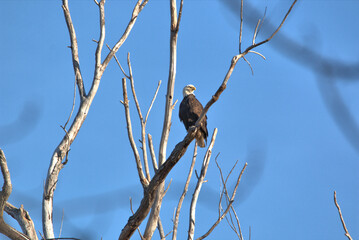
(296, 128)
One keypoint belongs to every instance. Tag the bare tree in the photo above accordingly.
(153, 187)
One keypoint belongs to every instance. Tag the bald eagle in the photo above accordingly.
(189, 112)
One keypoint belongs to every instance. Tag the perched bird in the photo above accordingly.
(189, 112)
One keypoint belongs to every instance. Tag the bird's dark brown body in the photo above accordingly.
(189, 112)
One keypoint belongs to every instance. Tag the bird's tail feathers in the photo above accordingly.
(200, 140)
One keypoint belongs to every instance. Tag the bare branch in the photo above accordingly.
(185, 189)
(179, 15)
(231, 223)
(143, 4)
(118, 63)
(73, 106)
(4, 196)
(241, 29)
(224, 182)
(240, 236)
(62, 222)
(258, 54)
(228, 207)
(101, 41)
(153, 100)
(7, 187)
(74, 49)
(142, 177)
(262, 20)
(255, 32)
(143, 125)
(152, 151)
(168, 187)
(204, 168)
(99, 68)
(341, 217)
(249, 64)
(133, 88)
(23, 218)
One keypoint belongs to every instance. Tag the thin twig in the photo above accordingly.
(133, 87)
(153, 100)
(255, 32)
(341, 217)
(152, 151)
(258, 54)
(179, 16)
(249, 64)
(262, 21)
(168, 187)
(224, 182)
(241, 29)
(167, 234)
(62, 222)
(231, 223)
(238, 224)
(73, 105)
(118, 63)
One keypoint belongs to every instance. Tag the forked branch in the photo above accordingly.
(62, 149)
(231, 200)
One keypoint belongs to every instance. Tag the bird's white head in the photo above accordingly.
(189, 89)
